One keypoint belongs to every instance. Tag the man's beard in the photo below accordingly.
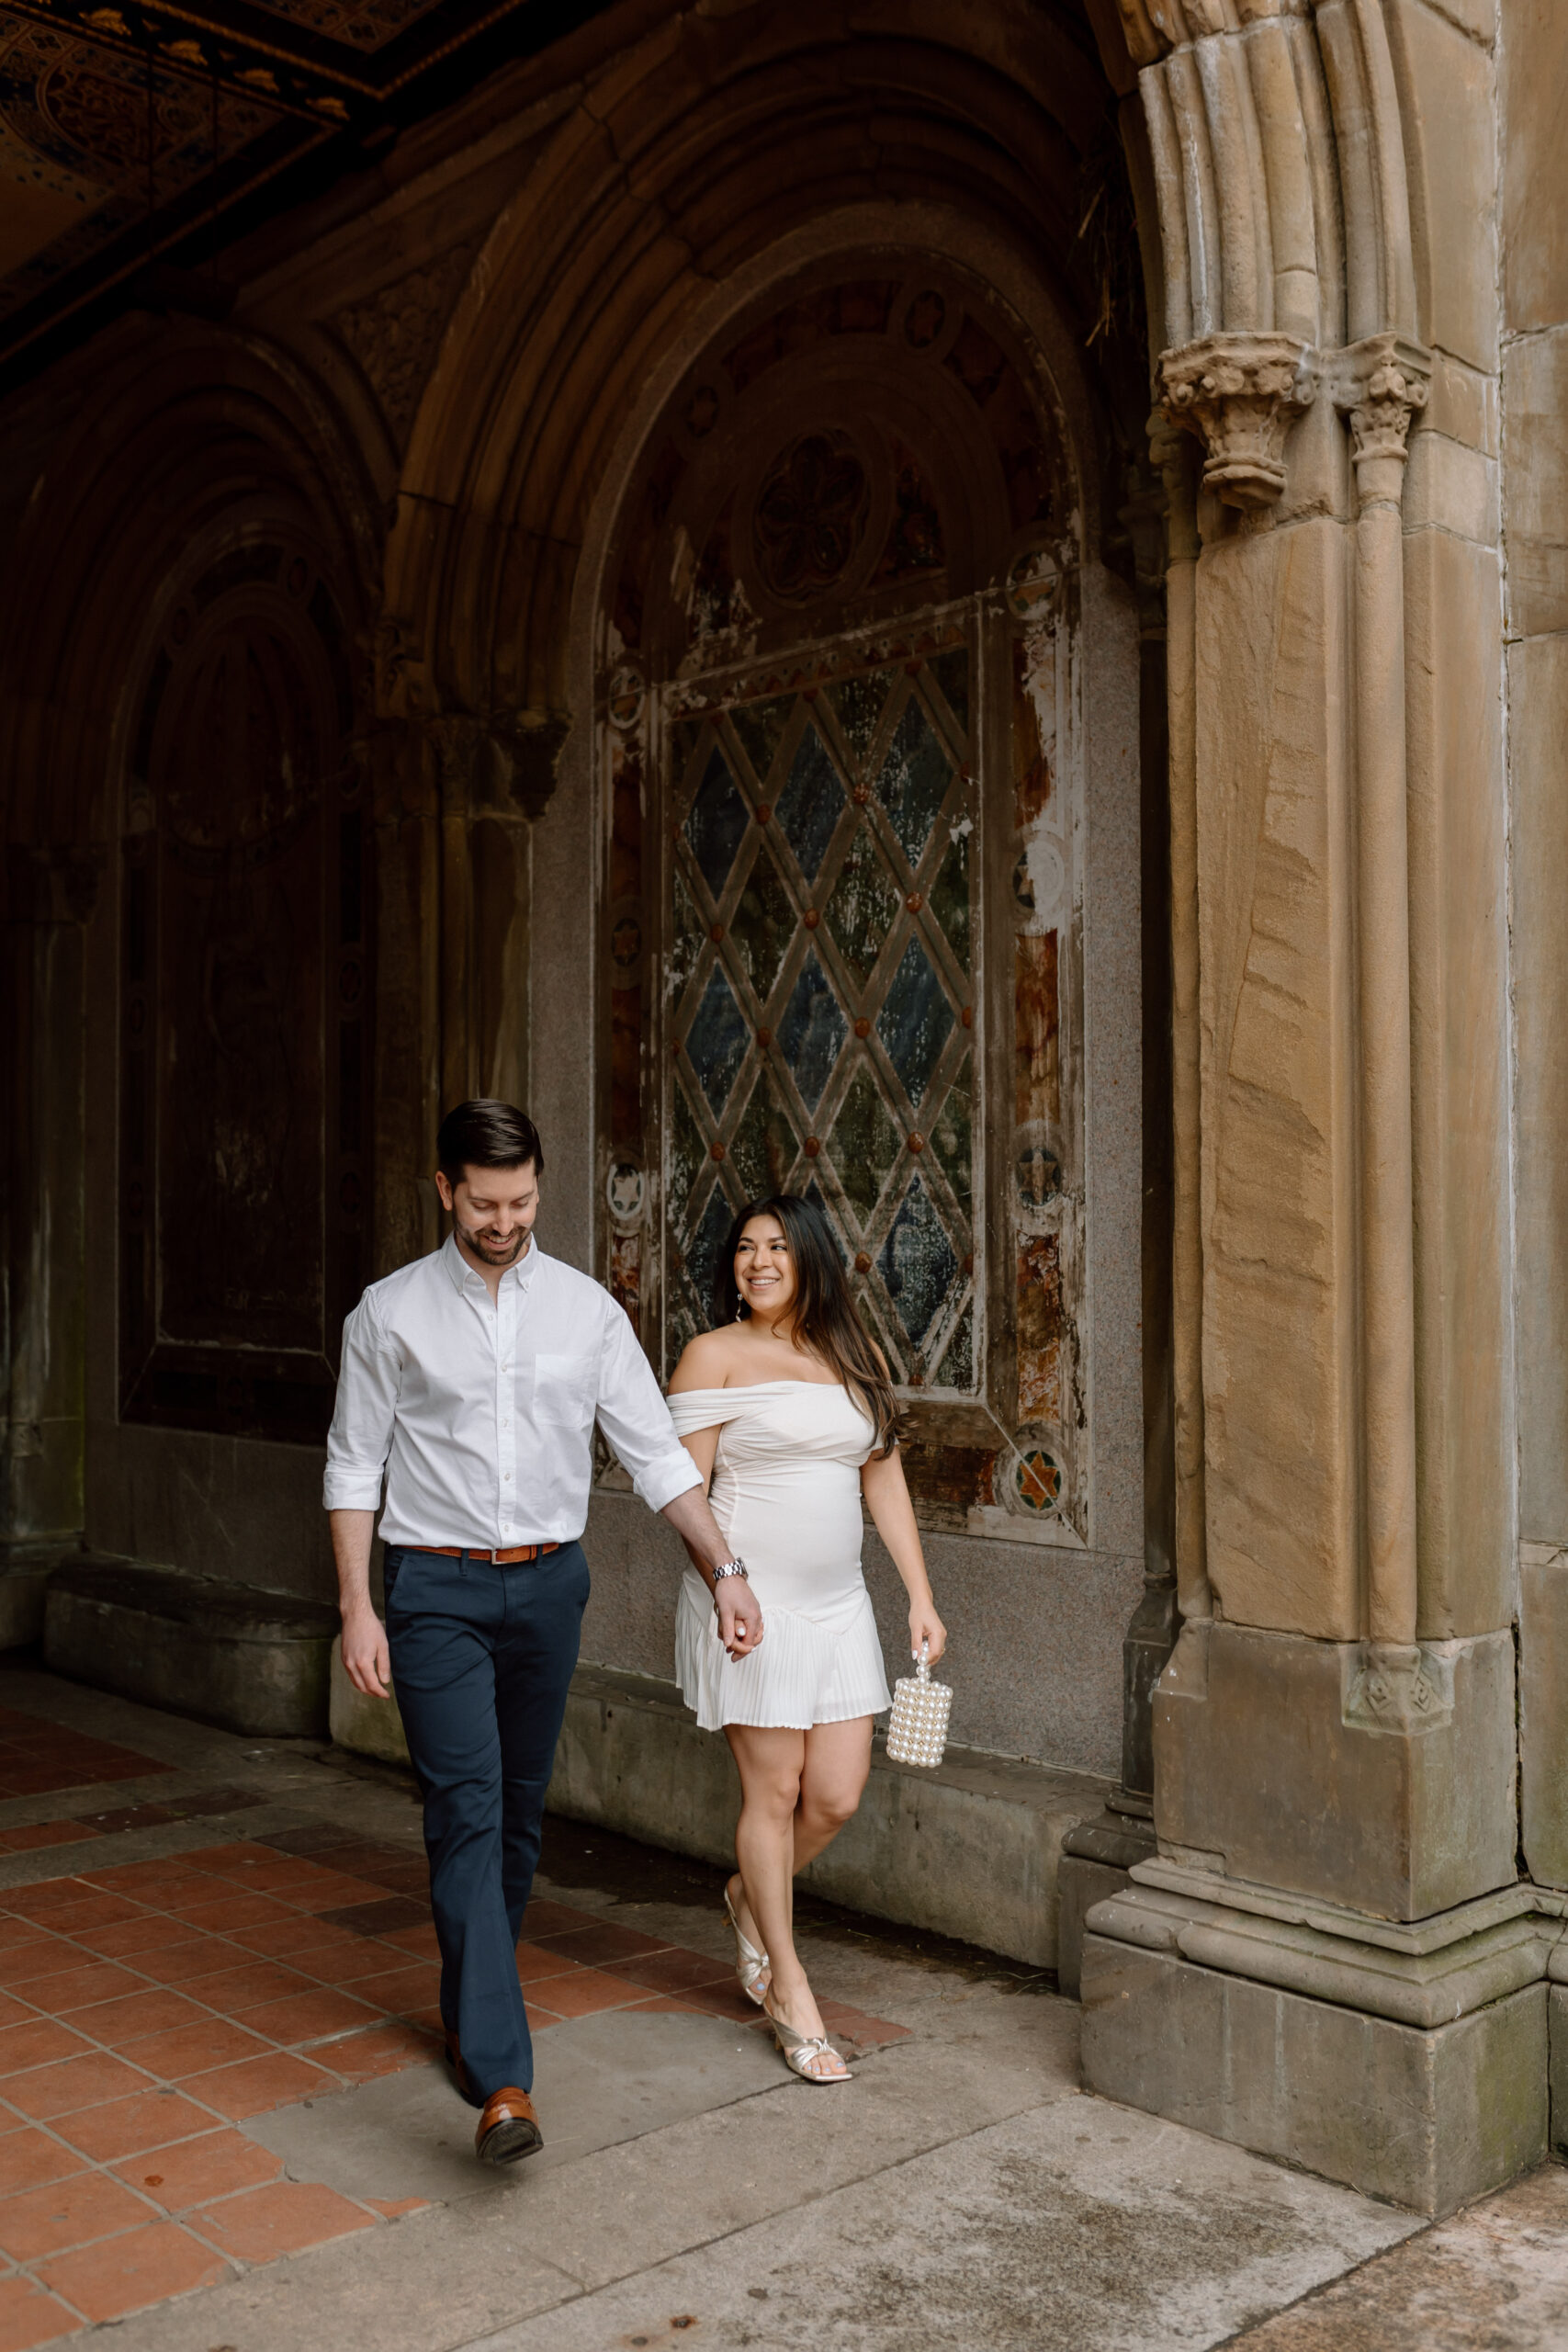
(494, 1253)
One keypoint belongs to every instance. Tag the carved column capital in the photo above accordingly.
(1240, 394)
(1380, 384)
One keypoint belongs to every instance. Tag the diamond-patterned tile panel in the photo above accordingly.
(957, 1370)
(913, 781)
(688, 1152)
(716, 1041)
(915, 1021)
(811, 1032)
(952, 1136)
(762, 924)
(857, 704)
(760, 726)
(863, 906)
(716, 822)
(811, 802)
(950, 899)
(763, 1148)
(917, 1262)
(951, 671)
(705, 1248)
(866, 1143)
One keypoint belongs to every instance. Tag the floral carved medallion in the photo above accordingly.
(810, 517)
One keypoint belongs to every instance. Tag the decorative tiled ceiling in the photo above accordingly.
(130, 130)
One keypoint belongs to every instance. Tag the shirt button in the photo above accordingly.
(507, 1476)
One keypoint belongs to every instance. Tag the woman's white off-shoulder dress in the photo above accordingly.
(786, 1492)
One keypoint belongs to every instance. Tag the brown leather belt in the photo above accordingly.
(467, 1551)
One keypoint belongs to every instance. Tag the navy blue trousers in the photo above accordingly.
(482, 1657)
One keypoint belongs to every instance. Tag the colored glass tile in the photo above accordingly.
(913, 780)
(762, 1151)
(688, 1153)
(864, 1144)
(760, 726)
(716, 823)
(917, 1262)
(762, 924)
(857, 705)
(687, 933)
(958, 1364)
(863, 906)
(704, 1252)
(716, 1041)
(951, 671)
(811, 802)
(952, 1136)
(950, 897)
(811, 1029)
(915, 1021)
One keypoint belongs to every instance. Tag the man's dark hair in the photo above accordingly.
(487, 1135)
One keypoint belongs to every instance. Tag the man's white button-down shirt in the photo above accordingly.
(481, 1412)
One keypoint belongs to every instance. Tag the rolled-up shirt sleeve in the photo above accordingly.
(635, 1420)
(360, 1438)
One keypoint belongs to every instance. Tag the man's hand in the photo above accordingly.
(740, 1618)
(365, 1660)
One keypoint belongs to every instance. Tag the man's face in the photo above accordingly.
(492, 1210)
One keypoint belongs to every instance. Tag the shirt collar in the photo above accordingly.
(462, 1273)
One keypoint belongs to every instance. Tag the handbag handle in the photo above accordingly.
(923, 1667)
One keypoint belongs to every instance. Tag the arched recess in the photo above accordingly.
(182, 703)
(840, 747)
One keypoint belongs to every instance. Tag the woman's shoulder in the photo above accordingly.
(706, 1362)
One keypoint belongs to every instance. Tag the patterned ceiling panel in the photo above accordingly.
(368, 24)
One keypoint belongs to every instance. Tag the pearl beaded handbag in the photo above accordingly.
(916, 1733)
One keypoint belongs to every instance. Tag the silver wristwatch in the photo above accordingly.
(736, 1567)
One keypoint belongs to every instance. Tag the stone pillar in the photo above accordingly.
(1331, 1957)
(50, 895)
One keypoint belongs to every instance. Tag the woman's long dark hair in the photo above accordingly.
(826, 1324)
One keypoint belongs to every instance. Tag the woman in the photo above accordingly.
(787, 1408)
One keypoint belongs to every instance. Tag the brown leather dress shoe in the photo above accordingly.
(508, 2128)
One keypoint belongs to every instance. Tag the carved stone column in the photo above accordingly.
(1241, 394)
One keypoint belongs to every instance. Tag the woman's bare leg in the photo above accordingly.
(769, 1762)
(832, 1782)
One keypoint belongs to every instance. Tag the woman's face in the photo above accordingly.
(764, 1270)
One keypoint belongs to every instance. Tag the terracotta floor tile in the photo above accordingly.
(594, 1947)
(349, 1965)
(195, 2049)
(295, 1931)
(127, 2273)
(668, 2005)
(236, 1856)
(28, 2316)
(91, 1910)
(257, 2084)
(554, 1920)
(129, 1877)
(74, 2211)
(538, 2017)
(52, 1895)
(265, 2222)
(64, 1989)
(149, 1931)
(28, 2158)
(723, 2001)
(393, 2209)
(89, 2081)
(225, 1912)
(583, 1991)
(117, 2023)
(674, 1971)
(423, 1943)
(44, 1833)
(38, 2043)
(120, 2129)
(410, 1988)
(307, 2017)
(230, 1990)
(361, 2057)
(332, 1891)
(534, 1961)
(187, 1962)
(13, 2012)
(194, 2172)
(16, 1932)
(38, 1957)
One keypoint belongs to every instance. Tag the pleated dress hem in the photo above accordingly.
(805, 1674)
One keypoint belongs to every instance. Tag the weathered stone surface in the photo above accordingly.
(1447, 95)
(1537, 729)
(1535, 480)
(23, 1582)
(1557, 2026)
(1534, 77)
(1257, 1765)
(1427, 2119)
(1544, 1712)
(251, 1661)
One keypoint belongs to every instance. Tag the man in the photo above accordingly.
(472, 1379)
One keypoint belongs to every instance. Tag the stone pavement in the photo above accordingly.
(224, 2127)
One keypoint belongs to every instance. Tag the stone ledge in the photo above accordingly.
(252, 1662)
(24, 1576)
(969, 1850)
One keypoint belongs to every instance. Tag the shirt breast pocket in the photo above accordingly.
(565, 1390)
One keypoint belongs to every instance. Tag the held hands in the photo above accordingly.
(366, 1658)
(740, 1618)
(925, 1625)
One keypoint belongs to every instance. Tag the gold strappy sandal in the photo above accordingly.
(752, 1966)
(803, 2053)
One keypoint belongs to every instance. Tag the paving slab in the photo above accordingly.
(1074, 2224)
(599, 2080)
